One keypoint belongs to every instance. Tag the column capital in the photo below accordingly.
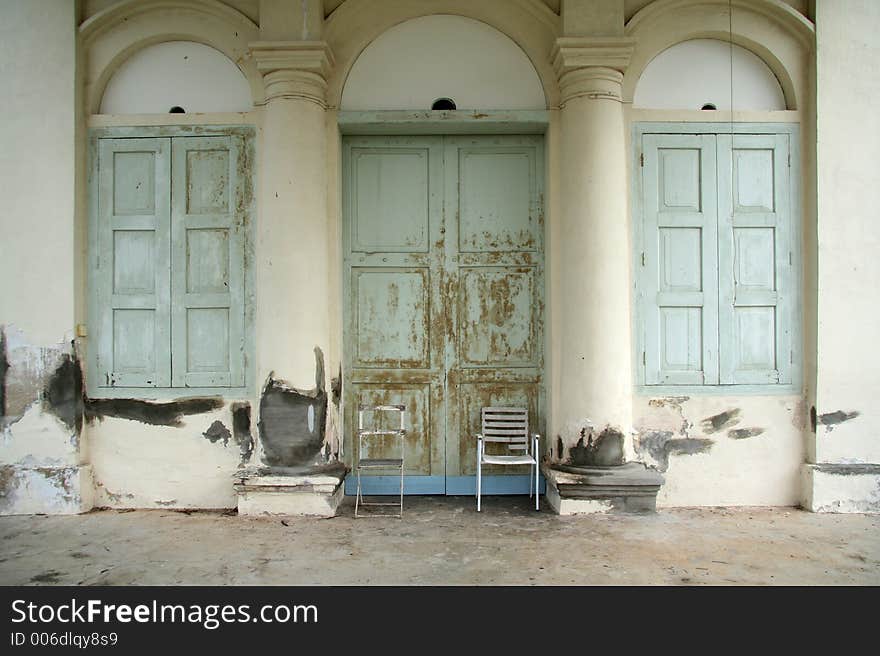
(294, 69)
(591, 67)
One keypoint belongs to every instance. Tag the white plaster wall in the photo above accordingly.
(414, 63)
(693, 73)
(848, 140)
(176, 73)
(764, 469)
(37, 167)
(136, 465)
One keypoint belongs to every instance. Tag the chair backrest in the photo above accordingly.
(378, 410)
(363, 407)
(510, 425)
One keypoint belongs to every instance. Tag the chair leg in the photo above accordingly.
(537, 489)
(357, 496)
(401, 491)
(479, 478)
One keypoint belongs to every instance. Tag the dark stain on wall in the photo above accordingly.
(147, 412)
(216, 432)
(744, 433)
(291, 422)
(660, 445)
(849, 470)
(832, 419)
(63, 393)
(688, 446)
(605, 451)
(4, 367)
(8, 483)
(720, 421)
(336, 388)
(241, 429)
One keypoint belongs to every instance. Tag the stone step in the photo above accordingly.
(628, 488)
(315, 491)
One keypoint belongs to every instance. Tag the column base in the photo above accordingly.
(33, 490)
(316, 494)
(629, 488)
(831, 488)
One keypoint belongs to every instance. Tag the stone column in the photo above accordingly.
(595, 381)
(292, 272)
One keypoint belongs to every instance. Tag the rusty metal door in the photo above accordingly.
(443, 243)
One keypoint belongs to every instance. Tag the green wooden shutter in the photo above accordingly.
(679, 264)
(131, 275)
(756, 282)
(207, 263)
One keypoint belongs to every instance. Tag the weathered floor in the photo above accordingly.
(442, 540)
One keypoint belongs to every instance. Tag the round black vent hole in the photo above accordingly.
(177, 109)
(443, 104)
(709, 107)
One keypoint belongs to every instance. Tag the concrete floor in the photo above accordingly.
(442, 540)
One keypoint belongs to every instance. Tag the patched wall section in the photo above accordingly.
(42, 466)
(723, 450)
(293, 423)
(175, 454)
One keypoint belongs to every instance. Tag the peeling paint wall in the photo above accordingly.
(723, 450)
(41, 454)
(177, 454)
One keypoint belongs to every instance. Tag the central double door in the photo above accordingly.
(443, 245)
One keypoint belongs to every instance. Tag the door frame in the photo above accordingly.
(440, 123)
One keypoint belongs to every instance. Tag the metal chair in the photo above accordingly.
(363, 436)
(509, 426)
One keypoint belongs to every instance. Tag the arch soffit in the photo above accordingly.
(110, 37)
(782, 42)
(357, 23)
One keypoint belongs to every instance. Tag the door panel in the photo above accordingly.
(392, 317)
(394, 326)
(389, 189)
(207, 263)
(680, 259)
(133, 265)
(496, 354)
(443, 239)
(495, 307)
(754, 245)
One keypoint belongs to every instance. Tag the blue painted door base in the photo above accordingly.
(453, 485)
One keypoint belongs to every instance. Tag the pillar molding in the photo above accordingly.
(591, 67)
(294, 69)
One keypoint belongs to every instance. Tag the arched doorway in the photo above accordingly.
(443, 249)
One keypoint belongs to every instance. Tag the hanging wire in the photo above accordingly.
(730, 36)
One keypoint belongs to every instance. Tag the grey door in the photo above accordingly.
(443, 243)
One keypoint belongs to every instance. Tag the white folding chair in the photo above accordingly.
(363, 437)
(511, 427)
